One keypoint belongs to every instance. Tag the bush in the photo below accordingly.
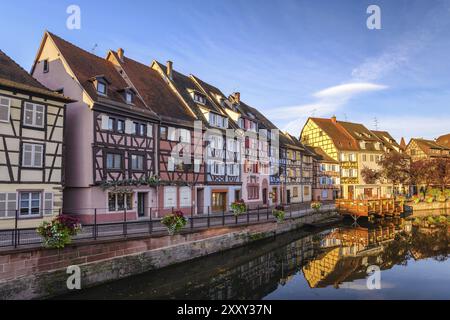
(174, 222)
(316, 205)
(429, 199)
(58, 233)
(279, 213)
(238, 207)
(441, 198)
(415, 199)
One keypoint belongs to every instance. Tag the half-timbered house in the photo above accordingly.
(31, 148)
(111, 134)
(181, 171)
(221, 154)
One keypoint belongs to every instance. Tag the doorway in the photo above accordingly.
(275, 195)
(288, 196)
(264, 195)
(218, 201)
(141, 201)
(351, 190)
(237, 195)
(200, 201)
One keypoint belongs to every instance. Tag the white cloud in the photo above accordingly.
(329, 100)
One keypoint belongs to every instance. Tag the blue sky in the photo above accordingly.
(290, 59)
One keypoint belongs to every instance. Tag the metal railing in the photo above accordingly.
(104, 225)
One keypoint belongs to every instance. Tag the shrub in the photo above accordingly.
(174, 222)
(238, 207)
(429, 199)
(58, 233)
(316, 205)
(279, 213)
(441, 198)
(415, 199)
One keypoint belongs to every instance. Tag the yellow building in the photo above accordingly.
(422, 149)
(355, 147)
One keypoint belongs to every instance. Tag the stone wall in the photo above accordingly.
(39, 272)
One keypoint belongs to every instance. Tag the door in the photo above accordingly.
(288, 196)
(218, 202)
(200, 199)
(274, 195)
(350, 192)
(367, 193)
(141, 204)
(237, 195)
(264, 194)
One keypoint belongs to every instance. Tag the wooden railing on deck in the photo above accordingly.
(365, 208)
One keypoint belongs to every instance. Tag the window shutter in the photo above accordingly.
(171, 164)
(149, 130)
(129, 126)
(185, 197)
(171, 135)
(48, 203)
(105, 120)
(170, 197)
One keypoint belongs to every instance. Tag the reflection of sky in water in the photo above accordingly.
(424, 279)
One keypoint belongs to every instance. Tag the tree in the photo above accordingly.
(370, 176)
(440, 172)
(394, 168)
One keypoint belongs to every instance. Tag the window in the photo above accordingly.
(163, 133)
(113, 161)
(372, 159)
(5, 105)
(120, 201)
(111, 122)
(30, 203)
(45, 66)
(185, 197)
(32, 155)
(120, 126)
(170, 197)
(306, 191)
(137, 162)
(8, 204)
(33, 115)
(138, 129)
(199, 98)
(129, 97)
(253, 192)
(324, 194)
(295, 192)
(101, 87)
(185, 135)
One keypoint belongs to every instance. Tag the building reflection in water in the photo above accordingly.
(325, 259)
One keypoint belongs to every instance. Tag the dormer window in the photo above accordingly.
(198, 97)
(129, 97)
(101, 87)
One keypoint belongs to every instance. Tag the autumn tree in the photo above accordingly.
(394, 168)
(440, 172)
(370, 176)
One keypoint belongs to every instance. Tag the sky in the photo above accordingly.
(290, 59)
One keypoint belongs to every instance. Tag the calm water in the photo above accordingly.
(329, 264)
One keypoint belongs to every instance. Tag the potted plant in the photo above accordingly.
(174, 222)
(316, 205)
(238, 207)
(429, 199)
(59, 232)
(279, 213)
(415, 199)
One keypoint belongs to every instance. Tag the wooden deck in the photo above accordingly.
(369, 208)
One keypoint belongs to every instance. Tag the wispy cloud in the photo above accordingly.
(328, 100)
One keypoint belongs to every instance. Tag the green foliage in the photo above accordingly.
(279, 214)
(238, 207)
(316, 205)
(174, 222)
(58, 233)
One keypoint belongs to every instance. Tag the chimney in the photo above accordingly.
(169, 69)
(333, 119)
(120, 53)
(237, 97)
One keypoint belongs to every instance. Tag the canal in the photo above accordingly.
(411, 254)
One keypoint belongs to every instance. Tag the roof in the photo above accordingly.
(14, 76)
(87, 66)
(337, 133)
(154, 91)
(387, 140)
(426, 145)
(444, 140)
(183, 85)
(321, 155)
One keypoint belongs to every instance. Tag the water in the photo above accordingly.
(329, 264)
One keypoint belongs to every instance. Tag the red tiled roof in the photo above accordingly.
(338, 134)
(14, 76)
(444, 140)
(154, 91)
(86, 66)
